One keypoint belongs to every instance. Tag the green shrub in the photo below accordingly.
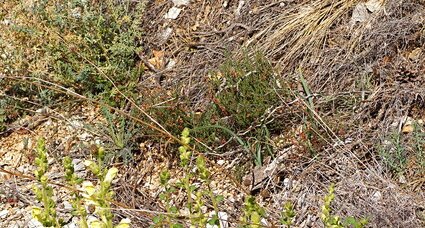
(245, 89)
(73, 43)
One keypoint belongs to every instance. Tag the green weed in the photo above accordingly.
(401, 149)
(393, 153)
(252, 213)
(121, 136)
(334, 221)
(419, 144)
(46, 215)
(193, 206)
(98, 196)
(287, 215)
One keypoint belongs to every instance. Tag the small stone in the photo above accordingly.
(204, 209)
(171, 63)
(67, 206)
(377, 196)
(225, 4)
(287, 183)
(3, 213)
(407, 129)
(78, 165)
(166, 34)
(71, 225)
(76, 124)
(181, 2)
(264, 222)
(85, 136)
(221, 162)
(222, 217)
(34, 223)
(173, 13)
(402, 179)
(6, 22)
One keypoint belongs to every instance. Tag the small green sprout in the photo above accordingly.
(288, 214)
(253, 213)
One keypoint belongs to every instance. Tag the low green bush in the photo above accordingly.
(82, 45)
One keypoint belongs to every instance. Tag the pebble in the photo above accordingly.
(67, 206)
(402, 179)
(223, 218)
(173, 13)
(287, 183)
(73, 224)
(85, 136)
(76, 124)
(221, 162)
(34, 223)
(377, 196)
(4, 213)
(180, 2)
(78, 165)
(166, 34)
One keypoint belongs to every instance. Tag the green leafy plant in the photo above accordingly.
(419, 144)
(46, 215)
(166, 197)
(85, 46)
(402, 148)
(98, 196)
(328, 219)
(77, 199)
(194, 207)
(287, 214)
(245, 90)
(334, 221)
(121, 135)
(255, 149)
(252, 213)
(394, 153)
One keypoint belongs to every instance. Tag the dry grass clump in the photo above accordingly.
(300, 31)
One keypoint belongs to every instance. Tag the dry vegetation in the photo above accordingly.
(283, 99)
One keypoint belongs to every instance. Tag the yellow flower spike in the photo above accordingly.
(110, 175)
(125, 223)
(88, 163)
(89, 188)
(92, 166)
(36, 211)
(96, 224)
